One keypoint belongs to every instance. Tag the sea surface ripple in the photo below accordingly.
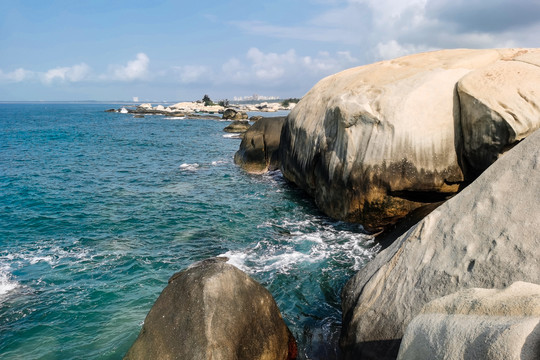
(98, 210)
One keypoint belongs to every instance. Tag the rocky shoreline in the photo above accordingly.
(199, 110)
(448, 141)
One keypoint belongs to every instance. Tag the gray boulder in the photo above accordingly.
(258, 150)
(237, 126)
(212, 310)
(499, 106)
(477, 324)
(487, 236)
(373, 143)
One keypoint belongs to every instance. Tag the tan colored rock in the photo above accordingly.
(375, 142)
(487, 236)
(212, 310)
(258, 152)
(500, 106)
(477, 324)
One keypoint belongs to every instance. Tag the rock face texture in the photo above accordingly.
(212, 310)
(477, 324)
(238, 126)
(258, 151)
(500, 105)
(373, 143)
(487, 236)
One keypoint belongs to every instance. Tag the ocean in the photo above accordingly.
(98, 210)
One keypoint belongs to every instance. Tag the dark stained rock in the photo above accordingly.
(255, 118)
(258, 151)
(110, 110)
(373, 143)
(212, 310)
(499, 106)
(237, 126)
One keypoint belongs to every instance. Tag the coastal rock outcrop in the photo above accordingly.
(487, 236)
(232, 114)
(373, 143)
(258, 151)
(238, 126)
(477, 324)
(212, 310)
(500, 106)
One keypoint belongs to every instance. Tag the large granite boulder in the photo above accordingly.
(212, 310)
(375, 142)
(237, 126)
(487, 236)
(500, 105)
(258, 151)
(477, 324)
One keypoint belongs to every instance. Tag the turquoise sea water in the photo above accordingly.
(98, 210)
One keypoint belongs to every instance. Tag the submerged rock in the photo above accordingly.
(477, 324)
(487, 236)
(258, 151)
(375, 142)
(212, 310)
(238, 126)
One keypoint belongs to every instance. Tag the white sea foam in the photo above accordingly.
(304, 242)
(218, 162)
(232, 136)
(6, 282)
(189, 167)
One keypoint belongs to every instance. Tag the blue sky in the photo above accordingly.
(181, 50)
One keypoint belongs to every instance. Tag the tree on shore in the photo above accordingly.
(207, 101)
(286, 102)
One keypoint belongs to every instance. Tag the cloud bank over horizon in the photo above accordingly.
(282, 48)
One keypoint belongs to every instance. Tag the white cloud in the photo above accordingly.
(17, 75)
(379, 29)
(134, 70)
(277, 68)
(70, 73)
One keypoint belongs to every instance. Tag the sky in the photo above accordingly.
(163, 50)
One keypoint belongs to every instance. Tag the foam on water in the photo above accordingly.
(303, 242)
(6, 282)
(189, 167)
(232, 136)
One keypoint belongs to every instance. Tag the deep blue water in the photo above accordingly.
(98, 210)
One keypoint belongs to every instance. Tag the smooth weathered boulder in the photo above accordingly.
(500, 106)
(487, 236)
(258, 150)
(212, 310)
(231, 114)
(237, 126)
(375, 142)
(477, 324)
